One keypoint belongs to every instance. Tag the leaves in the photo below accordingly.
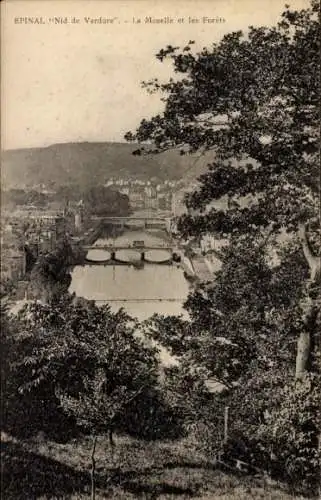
(268, 87)
(86, 356)
(254, 101)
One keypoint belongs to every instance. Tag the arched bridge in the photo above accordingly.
(137, 248)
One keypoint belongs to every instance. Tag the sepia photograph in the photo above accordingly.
(161, 249)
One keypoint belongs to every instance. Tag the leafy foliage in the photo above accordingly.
(101, 200)
(50, 275)
(89, 363)
(22, 197)
(265, 86)
(294, 422)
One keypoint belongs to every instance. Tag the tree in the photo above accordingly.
(266, 88)
(103, 201)
(50, 275)
(89, 363)
(6, 350)
(267, 85)
(20, 197)
(70, 342)
(241, 338)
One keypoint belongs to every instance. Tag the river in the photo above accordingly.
(154, 288)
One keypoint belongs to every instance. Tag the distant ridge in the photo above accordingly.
(92, 163)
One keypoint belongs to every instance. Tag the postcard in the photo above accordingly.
(160, 263)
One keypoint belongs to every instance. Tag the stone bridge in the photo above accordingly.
(139, 249)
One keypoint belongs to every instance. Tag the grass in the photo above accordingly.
(40, 469)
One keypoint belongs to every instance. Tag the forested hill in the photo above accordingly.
(90, 163)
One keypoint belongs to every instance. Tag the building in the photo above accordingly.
(151, 203)
(137, 198)
(178, 205)
(150, 191)
(13, 264)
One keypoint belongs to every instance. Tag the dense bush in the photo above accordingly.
(72, 366)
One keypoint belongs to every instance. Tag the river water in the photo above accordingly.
(153, 288)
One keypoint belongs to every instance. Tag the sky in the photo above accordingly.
(81, 81)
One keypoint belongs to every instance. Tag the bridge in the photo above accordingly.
(140, 250)
(113, 259)
(115, 248)
(139, 246)
(178, 299)
(138, 221)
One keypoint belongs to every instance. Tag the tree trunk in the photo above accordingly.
(305, 340)
(112, 443)
(302, 354)
(226, 424)
(93, 469)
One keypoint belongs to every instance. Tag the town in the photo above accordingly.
(34, 222)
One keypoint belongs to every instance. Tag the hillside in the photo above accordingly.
(146, 470)
(89, 163)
